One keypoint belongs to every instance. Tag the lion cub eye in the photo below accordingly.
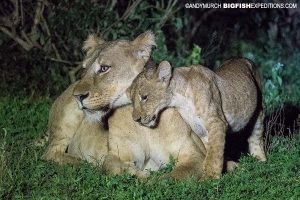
(143, 98)
(103, 68)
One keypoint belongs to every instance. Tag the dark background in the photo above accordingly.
(41, 40)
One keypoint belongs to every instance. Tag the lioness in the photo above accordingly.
(65, 118)
(110, 70)
(209, 102)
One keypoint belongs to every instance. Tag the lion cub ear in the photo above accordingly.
(142, 45)
(164, 71)
(128, 92)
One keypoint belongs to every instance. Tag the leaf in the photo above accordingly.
(178, 23)
(279, 79)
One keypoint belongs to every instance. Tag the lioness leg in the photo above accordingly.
(114, 165)
(213, 163)
(256, 142)
(89, 142)
(61, 134)
(125, 154)
(64, 119)
(56, 152)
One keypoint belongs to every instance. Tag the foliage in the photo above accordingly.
(273, 87)
(194, 57)
(161, 52)
(53, 48)
(54, 43)
(278, 71)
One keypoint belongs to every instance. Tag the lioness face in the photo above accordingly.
(110, 70)
(150, 94)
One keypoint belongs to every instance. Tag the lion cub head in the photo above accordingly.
(110, 69)
(150, 93)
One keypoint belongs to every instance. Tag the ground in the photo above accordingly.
(24, 175)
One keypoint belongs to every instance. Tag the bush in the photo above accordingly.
(53, 45)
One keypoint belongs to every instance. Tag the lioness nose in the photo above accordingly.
(81, 97)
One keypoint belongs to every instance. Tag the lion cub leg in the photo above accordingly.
(189, 156)
(213, 163)
(187, 169)
(256, 142)
(189, 164)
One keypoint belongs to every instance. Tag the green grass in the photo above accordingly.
(23, 175)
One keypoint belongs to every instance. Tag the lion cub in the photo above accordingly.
(210, 102)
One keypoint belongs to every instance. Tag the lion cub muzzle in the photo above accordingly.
(146, 120)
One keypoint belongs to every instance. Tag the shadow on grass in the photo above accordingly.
(281, 121)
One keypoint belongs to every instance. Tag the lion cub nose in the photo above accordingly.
(81, 96)
(136, 117)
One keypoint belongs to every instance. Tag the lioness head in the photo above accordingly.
(110, 70)
(150, 93)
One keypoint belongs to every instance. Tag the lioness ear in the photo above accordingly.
(89, 46)
(92, 42)
(142, 45)
(164, 72)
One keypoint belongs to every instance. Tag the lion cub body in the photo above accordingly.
(209, 102)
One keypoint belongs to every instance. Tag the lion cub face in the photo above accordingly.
(110, 70)
(150, 93)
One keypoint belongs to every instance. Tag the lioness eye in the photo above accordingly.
(103, 68)
(143, 97)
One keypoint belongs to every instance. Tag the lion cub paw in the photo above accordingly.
(231, 166)
(210, 171)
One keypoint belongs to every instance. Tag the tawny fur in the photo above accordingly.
(127, 146)
(210, 102)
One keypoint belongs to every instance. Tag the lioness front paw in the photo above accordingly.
(131, 168)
